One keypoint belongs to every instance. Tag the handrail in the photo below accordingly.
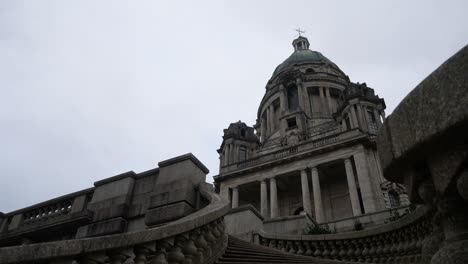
(193, 231)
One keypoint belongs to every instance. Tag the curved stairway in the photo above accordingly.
(239, 251)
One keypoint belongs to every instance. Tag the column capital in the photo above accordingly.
(235, 187)
(272, 178)
(313, 168)
(281, 87)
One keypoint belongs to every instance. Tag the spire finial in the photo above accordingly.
(299, 32)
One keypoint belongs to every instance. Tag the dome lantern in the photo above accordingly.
(301, 43)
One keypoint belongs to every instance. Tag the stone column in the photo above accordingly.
(263, 129)
(343, 125)
(354, 120)
(361, 117)
(268, 121)
(273, 198)
(382, 113)
(370, 196)
(263, 199)
(353, 194)
(329, 102)
(322, 101)
(272, 119)
(283, 99)
(319, 215)
(235, 197)
(300, 94)
(305, 193)
(377, 118)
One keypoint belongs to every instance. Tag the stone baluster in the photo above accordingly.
(282, 246)
(142, 251)
(94, 258)
(189, 249)
(341, 250)
(358, 251)
(201, 245)
(334, 250)
(318, 250)
(309, 251)
(119, 256)
(350, 251)
(366, 250)
(272, 243)
(326, 250)
(264, 242)
(300, 248)
(291, 248)
(175, 255)
(162, 248)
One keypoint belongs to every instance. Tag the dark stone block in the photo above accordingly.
(167, 213)
(108, 227)
(179, 191)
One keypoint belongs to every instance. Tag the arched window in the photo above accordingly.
(394, 198)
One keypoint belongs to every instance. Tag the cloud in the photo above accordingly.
(93, 89)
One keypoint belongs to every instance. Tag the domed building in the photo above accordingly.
(311, 157)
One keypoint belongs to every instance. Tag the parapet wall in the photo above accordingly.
(123, 203)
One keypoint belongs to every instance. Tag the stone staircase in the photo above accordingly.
(239, 251)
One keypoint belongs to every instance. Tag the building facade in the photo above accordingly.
(312, 150)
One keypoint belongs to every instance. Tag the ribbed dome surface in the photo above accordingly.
(299, 57)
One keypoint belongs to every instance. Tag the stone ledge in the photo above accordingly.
(124, 175)
(245, 208)
(188, 156)
(68, 248)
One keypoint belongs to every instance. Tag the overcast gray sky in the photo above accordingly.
(91, 89)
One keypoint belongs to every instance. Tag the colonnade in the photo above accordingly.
(273, 210)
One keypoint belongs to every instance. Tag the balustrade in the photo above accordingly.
(398, 245)
(198, 238)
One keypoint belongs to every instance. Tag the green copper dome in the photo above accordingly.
(301, 56)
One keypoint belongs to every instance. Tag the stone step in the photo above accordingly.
(242, 252)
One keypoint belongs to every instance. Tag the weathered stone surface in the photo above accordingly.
(431, 117)
(167, 213)
(177, 191)
(107, 227)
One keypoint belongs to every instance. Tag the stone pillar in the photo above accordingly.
(235, 197)
(354, 120)
(319, 215)
(307, 103)
(268, 121)
(370, 196)
(273, 198)
(305, 193)
(300, 94)
(361, 118)
(353, 194)
(272, 119)
(322, 101)
(263, 199)
(329, 102)
(263, 128)
(377, 118)
(343, 125)
(283, 99)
